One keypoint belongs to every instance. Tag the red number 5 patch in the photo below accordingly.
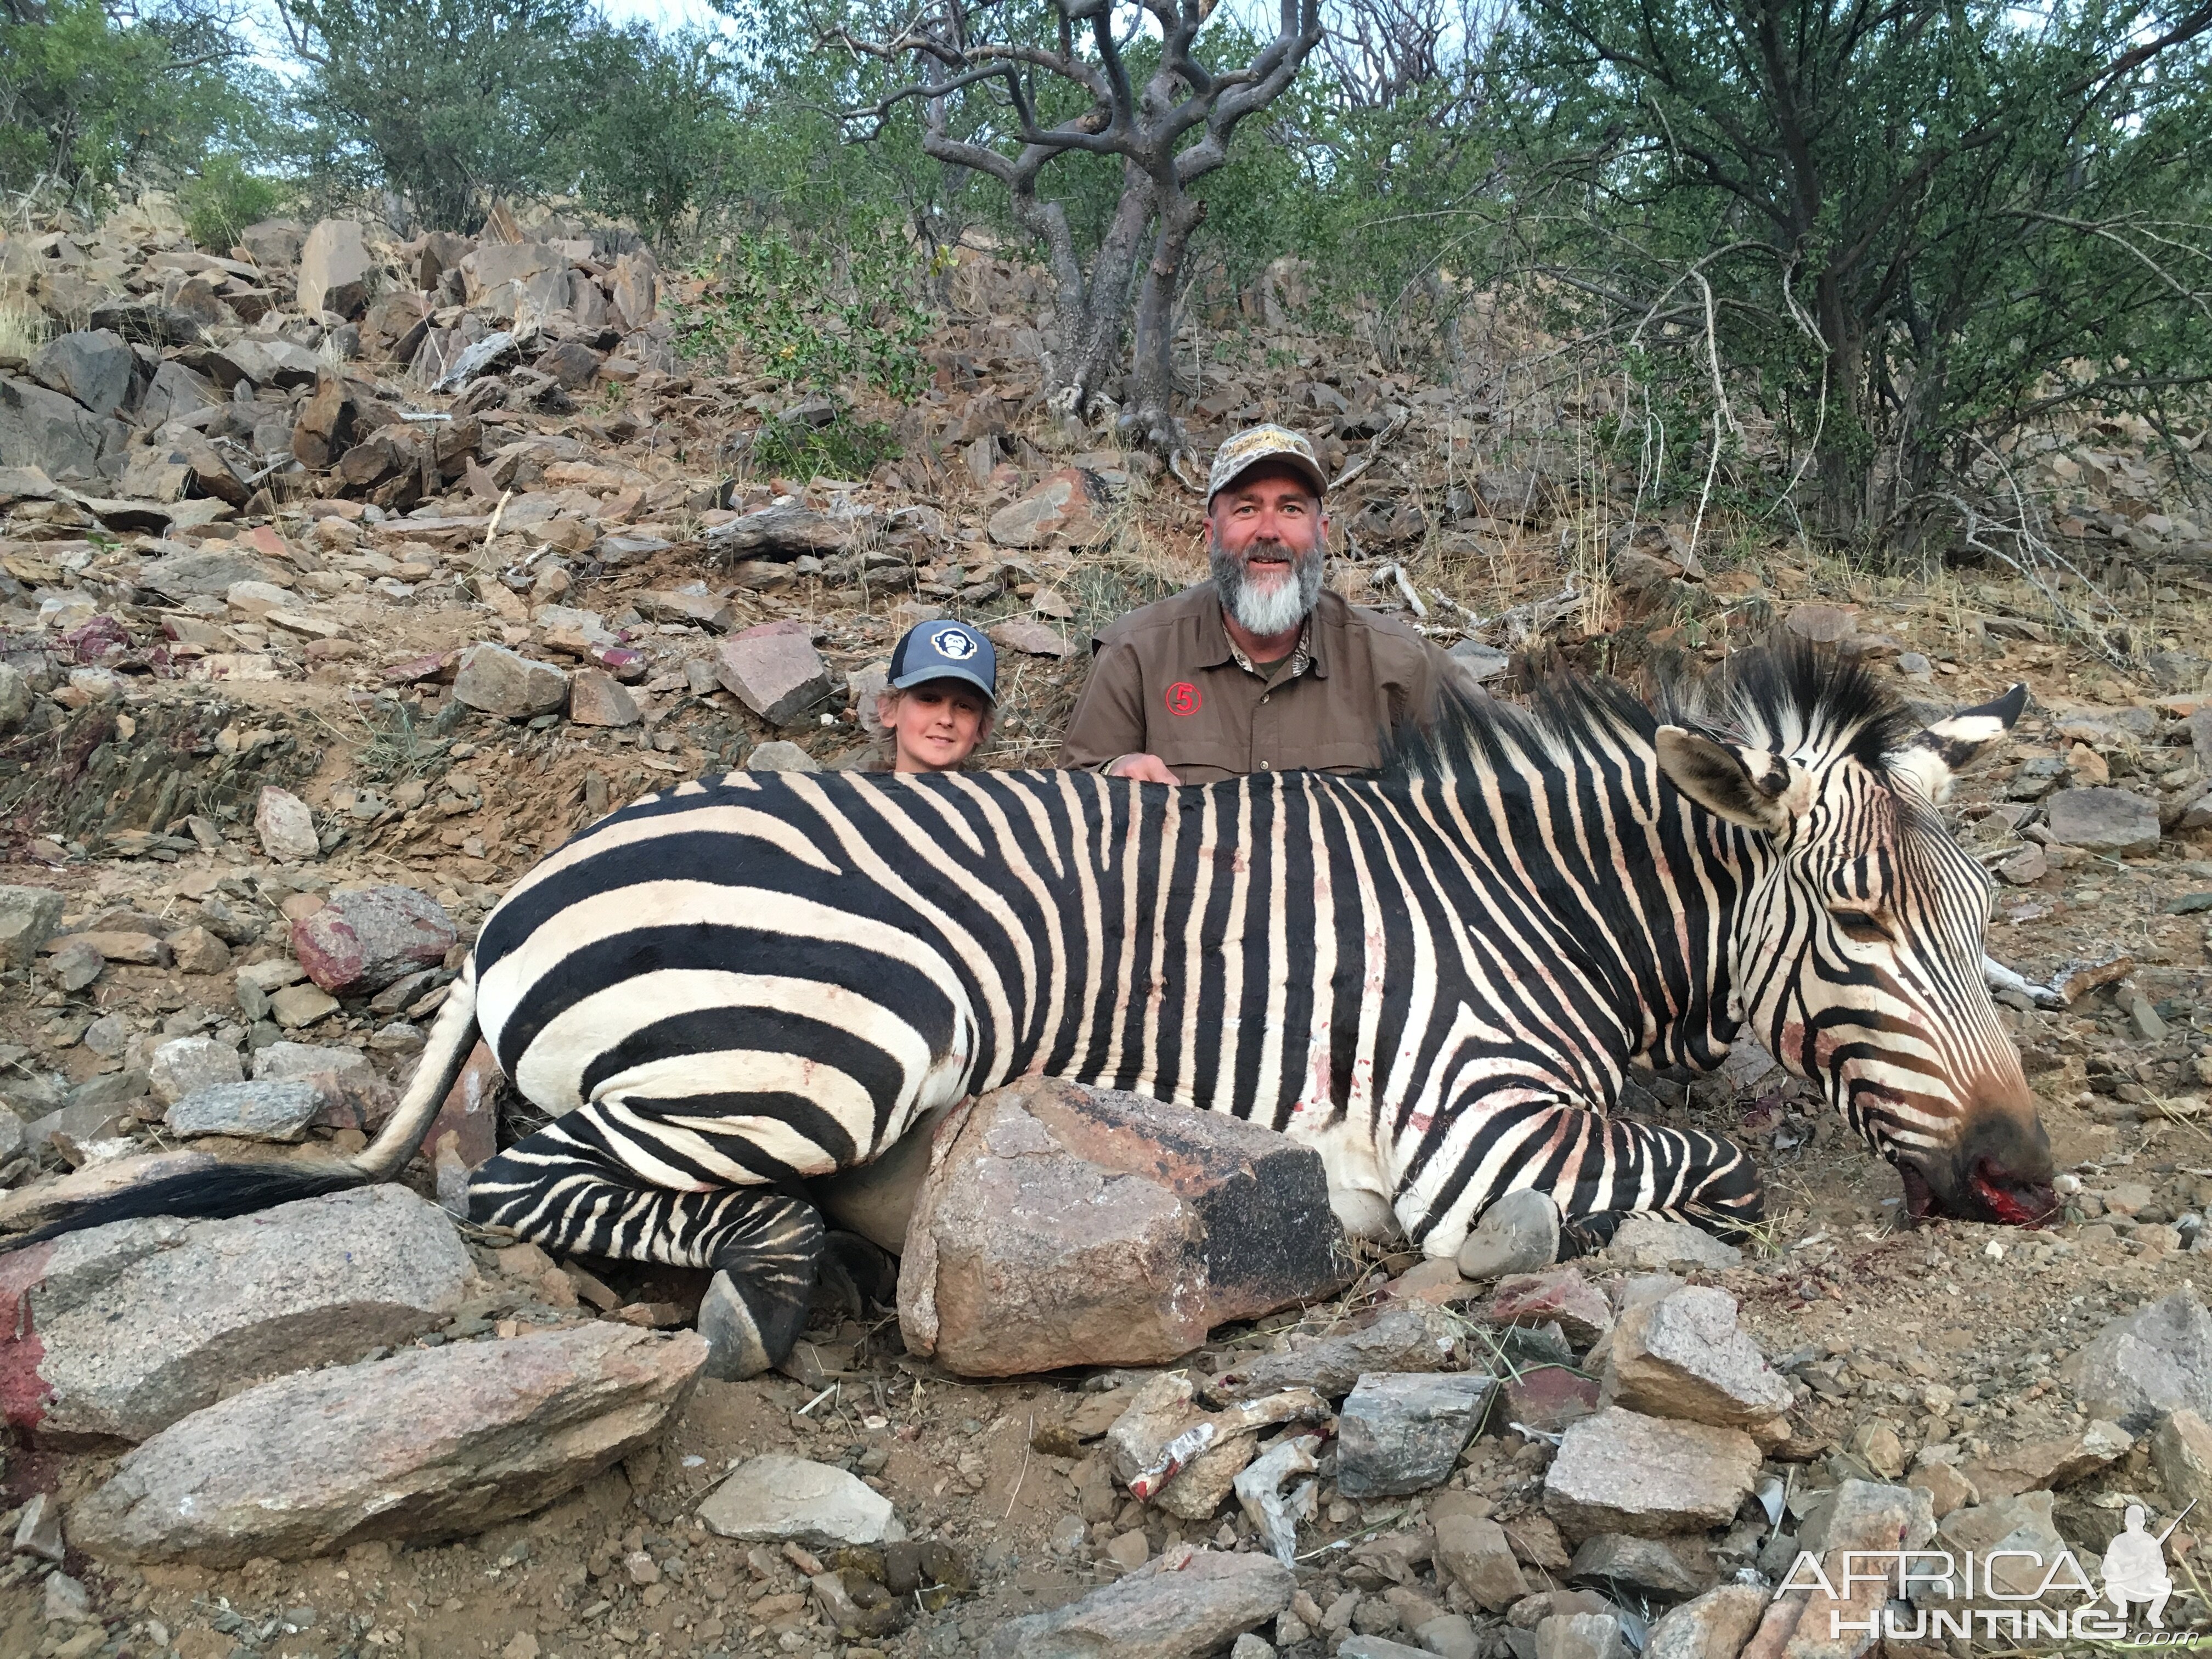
(1183, 698)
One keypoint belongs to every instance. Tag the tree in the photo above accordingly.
(655, 144)
(88, 95)
(1008, 88)
(446, 103)
(1912, 221)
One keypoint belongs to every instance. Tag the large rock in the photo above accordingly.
(2103, 820)
(2156, 1360)
(1180, 1604)
(334, 269)
(2016, 1547)
(93, 366)
(1558, 1293)
(2182, 1452)
(497, 681)
(784, 529)
(267, 362)
(1058, 508)
(1618, 1471)
(1402, 1433)
(249, 1111)
(1474, 1552)
(132, 1326)
(58, 435)
(1715, 1625)
(2063, 1460)
(286, 825)
(776, 671)
(1685, 1356)
(273, 242)
(29, 916)
(186, 1065)
(434, 1444)
(362, 940)
(774, 1499)
(1061, 1225)
(211, 572)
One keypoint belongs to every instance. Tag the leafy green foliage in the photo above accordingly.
(658, 141)
(86, 97)
(223, 196)
(449, 103)
(845, 446)
(816, 313)
(1894, 231)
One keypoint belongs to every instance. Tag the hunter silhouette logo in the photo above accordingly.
(2135, 1567)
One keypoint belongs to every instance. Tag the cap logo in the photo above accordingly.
(953, 644)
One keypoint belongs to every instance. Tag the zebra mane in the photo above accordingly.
(1786, 695)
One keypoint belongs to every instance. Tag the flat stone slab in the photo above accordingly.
(265, 1111)
(1180, 1604)
(1401, 1433)
(776, 1498)
(1061, 1225)
(1685, 1356)
(433, 1443)
(1619, 1471)
(132, 1326)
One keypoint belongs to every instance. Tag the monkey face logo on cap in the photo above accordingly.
(953, 644)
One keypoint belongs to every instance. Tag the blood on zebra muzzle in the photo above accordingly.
(2000, 1172)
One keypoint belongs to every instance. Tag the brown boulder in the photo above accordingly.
(1061, 1225)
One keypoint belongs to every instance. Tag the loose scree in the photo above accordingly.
(1437, 976)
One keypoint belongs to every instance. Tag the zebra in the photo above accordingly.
(1440, 977)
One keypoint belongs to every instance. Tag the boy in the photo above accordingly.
(943, 689)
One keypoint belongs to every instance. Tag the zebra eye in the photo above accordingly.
(1860, 925)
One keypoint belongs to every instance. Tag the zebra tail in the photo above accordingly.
(452, 1038)
(233, 1189)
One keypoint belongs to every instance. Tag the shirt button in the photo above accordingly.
(1263, 766)
(1265, 699)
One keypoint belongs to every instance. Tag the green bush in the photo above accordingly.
(223, 198)
(846, 446)
(820, 314)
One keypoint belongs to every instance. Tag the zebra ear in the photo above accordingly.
(1947, 747)
(1746, 786)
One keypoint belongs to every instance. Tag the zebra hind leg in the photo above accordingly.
(765, 1246)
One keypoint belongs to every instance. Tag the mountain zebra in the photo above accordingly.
(1438, 976)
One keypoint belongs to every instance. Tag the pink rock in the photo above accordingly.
(1560, 1293)
(1549, 1397)
(360, 942)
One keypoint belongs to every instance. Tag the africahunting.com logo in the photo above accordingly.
(2023, 1595)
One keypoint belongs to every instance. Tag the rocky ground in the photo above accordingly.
(342, 580)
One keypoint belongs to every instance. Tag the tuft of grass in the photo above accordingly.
(23, 327)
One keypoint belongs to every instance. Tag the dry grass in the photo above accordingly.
(23, 326)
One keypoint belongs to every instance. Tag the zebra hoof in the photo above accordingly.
(735, 1350)
(854, 1276)
(1518, 1234)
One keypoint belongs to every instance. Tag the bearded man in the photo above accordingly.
(1262, 669)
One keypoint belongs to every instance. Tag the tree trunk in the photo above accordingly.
(1846, 461)
(1089, 313)
(1150, 416)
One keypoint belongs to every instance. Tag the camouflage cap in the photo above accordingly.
(1255, 444)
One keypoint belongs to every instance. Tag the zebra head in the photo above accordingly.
(1859, 939)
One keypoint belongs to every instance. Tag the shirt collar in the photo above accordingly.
(1216, 649)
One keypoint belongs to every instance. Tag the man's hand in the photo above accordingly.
(1145, 769)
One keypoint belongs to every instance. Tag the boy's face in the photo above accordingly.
(934, 725)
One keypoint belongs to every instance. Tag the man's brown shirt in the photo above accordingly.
(1166, 681)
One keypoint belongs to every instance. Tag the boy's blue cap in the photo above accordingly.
(945, 650)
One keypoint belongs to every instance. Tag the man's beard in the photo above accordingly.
(1276, 607)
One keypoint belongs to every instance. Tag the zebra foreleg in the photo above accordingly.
(765, 1246)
